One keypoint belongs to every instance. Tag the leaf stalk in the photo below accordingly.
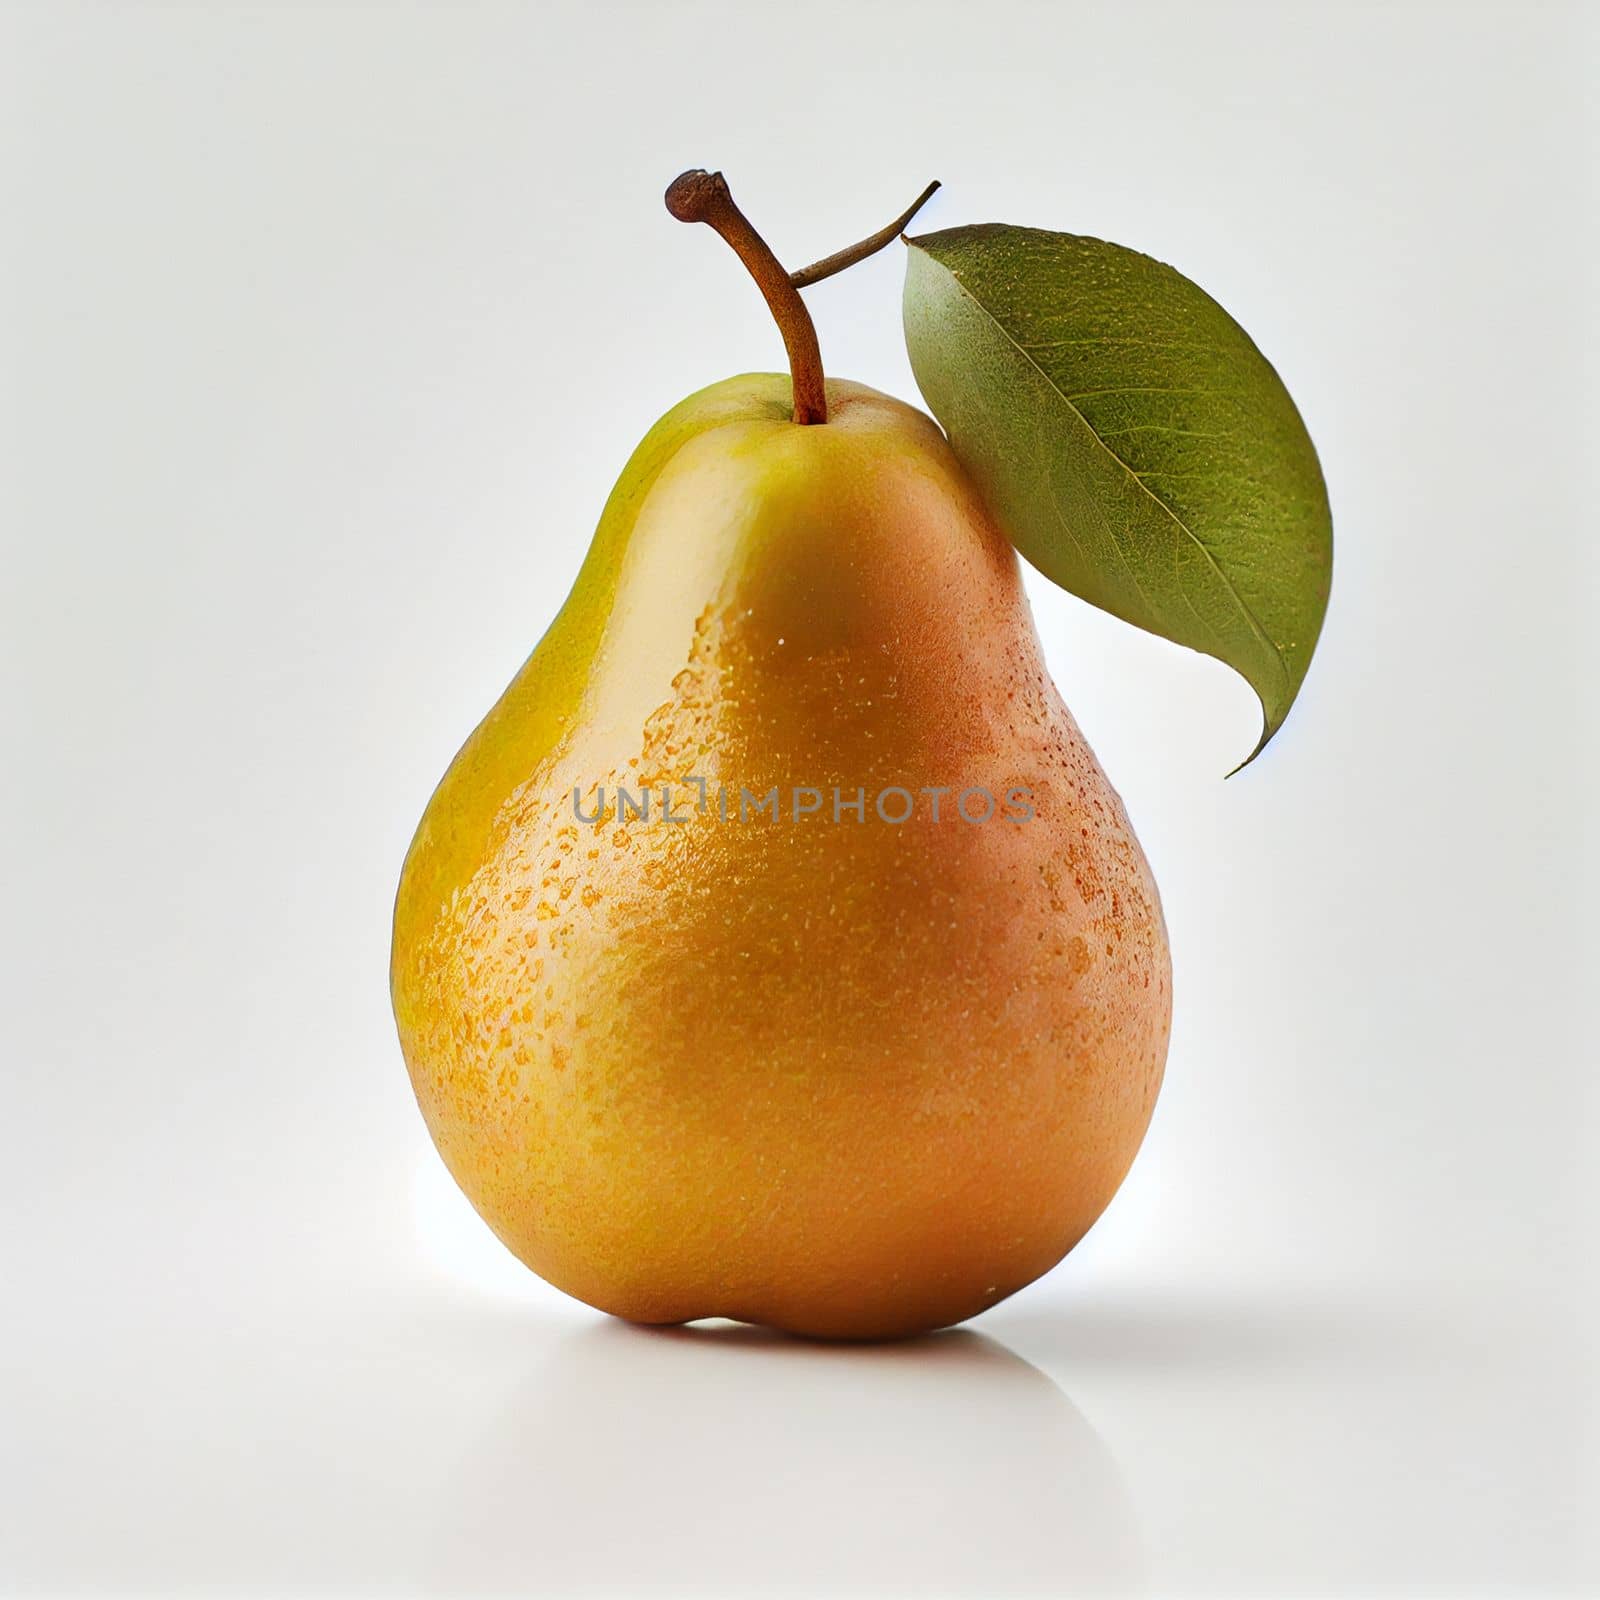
(870, 246)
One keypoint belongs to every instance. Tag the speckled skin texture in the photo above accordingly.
(851, 1079)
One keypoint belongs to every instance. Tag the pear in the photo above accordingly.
(775, 948)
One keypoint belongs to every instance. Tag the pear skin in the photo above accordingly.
(838, 1074)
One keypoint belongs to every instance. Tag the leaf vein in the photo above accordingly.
(1090, 394)
(1137, 344)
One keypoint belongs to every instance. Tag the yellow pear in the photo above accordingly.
(775, 948)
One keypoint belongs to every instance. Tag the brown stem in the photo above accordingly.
(840, 259)
(703, 197)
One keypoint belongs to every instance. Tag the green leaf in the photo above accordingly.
(1136, 446)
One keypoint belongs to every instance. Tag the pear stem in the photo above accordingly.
(699, 196)
(870, 246)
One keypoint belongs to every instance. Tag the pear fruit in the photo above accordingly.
(775, 948)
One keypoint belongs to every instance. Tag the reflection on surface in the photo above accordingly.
(720, 1459)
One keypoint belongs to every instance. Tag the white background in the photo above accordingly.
(324, 333)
